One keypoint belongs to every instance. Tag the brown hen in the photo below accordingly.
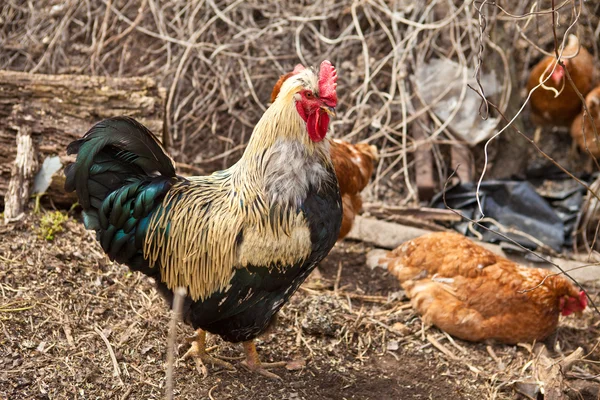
(556, 102)
(353, 164)
(582, 130)
(475, 295)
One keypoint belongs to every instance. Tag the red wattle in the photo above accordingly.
(317, 124)
(300, 110)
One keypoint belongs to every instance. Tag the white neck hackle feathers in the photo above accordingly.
(195, 238)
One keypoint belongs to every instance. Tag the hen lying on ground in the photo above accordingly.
(475, 295)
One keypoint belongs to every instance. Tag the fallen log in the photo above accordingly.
(56, 109)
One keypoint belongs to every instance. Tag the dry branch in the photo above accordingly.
(57, 109)
(220, 60)
(551, 373)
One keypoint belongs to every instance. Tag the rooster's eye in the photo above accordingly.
(309, 95)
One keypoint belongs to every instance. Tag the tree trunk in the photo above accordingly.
(58, 109)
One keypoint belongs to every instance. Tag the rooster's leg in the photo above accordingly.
(253, 363)
(198, 352)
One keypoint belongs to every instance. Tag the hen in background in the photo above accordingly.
(353, 164)
(556, 102)
(582, 129)
(474, 294)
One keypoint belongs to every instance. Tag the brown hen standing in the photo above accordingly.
(556, 102)
(353, 165)
(582, 129)
(475, 295)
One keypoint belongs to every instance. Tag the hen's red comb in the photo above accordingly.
(583, 299)
(328, 82)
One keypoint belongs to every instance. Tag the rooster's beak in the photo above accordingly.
(328, 110)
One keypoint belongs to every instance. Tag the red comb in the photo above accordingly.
(328, 82)
(583, 299)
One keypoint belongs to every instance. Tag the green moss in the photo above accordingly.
(52, 223)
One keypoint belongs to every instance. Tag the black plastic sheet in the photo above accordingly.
(548, 214)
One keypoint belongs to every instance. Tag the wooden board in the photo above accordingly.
(60, 108)
(425, 175)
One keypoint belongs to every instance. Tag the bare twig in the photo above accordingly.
(111, 352)
(178, 298)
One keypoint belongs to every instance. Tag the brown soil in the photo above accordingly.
(359, 338)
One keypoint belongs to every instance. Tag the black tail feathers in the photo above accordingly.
(114, 152)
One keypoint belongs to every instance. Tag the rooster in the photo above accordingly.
(475, 295)
(582, 130)
(353, 164)
(556, 102)
(240, 241)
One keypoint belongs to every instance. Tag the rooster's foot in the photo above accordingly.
(253, 363)
(198, 352)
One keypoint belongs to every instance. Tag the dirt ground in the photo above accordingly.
(65, 311)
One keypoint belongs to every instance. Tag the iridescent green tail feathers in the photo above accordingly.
(121, 175)
(113, 151)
